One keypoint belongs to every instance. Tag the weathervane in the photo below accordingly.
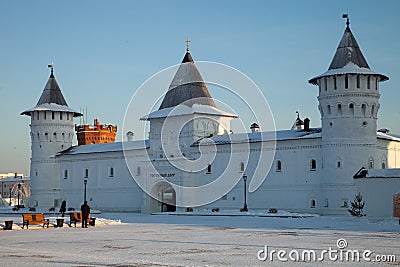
(187, 44)
(50, 66)
(346, 16)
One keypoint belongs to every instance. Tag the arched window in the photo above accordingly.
(339, 109)
(328, 109)
(278, 166)
(313, 165)
(111, 172)
(363, 109)
(312, 203)
(351, 109)
(383, 165)
(373, 111)
(60, 115)
(346, 82)
(45, 114)
(52, 115)
(242, 166)
(209, 168)
(371, 163)
(358, 81)
(368, 82)
(338, 162)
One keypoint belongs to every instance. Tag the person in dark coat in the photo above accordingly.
(85, 214)
(63, 208)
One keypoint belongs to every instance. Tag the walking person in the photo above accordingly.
(63, 208)
(85, 214)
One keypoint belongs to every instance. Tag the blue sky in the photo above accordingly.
(104, 50)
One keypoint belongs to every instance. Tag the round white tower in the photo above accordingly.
(52, 131)
(348, 103)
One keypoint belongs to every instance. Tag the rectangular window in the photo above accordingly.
(111, 172)
(67, 116)
(60, 115)
(65, 174)
(52, 115)
(45, 114)
(86, 173)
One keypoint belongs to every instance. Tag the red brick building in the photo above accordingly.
(96, 134)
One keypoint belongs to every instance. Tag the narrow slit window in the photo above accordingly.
(346, 82)
(334, 82)
(313, 165)
(358, 81)
(278, 166)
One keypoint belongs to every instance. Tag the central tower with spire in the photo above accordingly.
(52, 131)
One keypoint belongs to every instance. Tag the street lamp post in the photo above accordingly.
(84, 195)
(10, 195)
(19, 188)
(245, 196)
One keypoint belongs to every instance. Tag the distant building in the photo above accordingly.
(98, 134)
(312, 170)
(11, 184)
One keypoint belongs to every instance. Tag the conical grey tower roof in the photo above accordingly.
(51, 99)
(348, 51)
(187, 87)
(52, 93)
(348, 59)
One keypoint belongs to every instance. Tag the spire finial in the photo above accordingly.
(346, 16)
(187, 44)
(52, 69)
(298, 114)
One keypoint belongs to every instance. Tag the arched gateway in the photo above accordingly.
(165, 200)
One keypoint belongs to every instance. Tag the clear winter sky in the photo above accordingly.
(104, 50)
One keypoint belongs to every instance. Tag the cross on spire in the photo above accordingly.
(187, 44)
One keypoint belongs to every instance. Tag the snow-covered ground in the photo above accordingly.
(128, 239)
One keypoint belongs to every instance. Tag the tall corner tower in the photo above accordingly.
(349, 95)
(52, 131)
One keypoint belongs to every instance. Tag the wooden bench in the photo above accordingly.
(37, 218)
(75, 217)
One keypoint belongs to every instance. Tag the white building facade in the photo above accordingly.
(312, 170)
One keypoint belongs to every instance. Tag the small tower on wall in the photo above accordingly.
(52, 131)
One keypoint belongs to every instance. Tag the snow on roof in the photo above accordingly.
(185, 110)
(349, 68)
(51, 107)
(105, 147)
(263, 136)
(387, 136)
(383, 173)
